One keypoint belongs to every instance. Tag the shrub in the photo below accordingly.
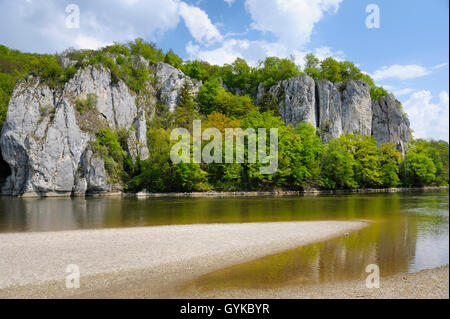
(90, 103)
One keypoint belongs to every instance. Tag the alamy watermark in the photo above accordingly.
(373, 279)
(73, 16)
(73, 277)
(373, 19)
(259, 149)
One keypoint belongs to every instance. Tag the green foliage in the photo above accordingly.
(148, 50)
(201, 71)
(337, 167)
(336, 71)
(83, 105)
(185, 112)
(226, 101)
(426, 164)
(207, 96)
(15, 66)
(418, 169)
(173, 59)
(390, 161)
(274, 69)
(107, 145)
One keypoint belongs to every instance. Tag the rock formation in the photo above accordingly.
(390, 123)
(47, 139)
(47, 142)
(169, 81)
(336, 109)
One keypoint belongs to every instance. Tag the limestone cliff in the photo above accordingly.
(336, 109)
(46, 140)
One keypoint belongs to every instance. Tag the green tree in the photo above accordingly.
(173, 59)
(390, 161)
(330, 69)
(337, 167)
(206, 97)
(312, 66)
(417, 168)
(185, 112)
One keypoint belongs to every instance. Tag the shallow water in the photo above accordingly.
(409, 232)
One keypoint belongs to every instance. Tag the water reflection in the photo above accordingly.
(389, 244)
(410, 231)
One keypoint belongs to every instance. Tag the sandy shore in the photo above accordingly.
(143, 262)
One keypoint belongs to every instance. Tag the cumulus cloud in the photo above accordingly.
(199, 24)
(254, 51)
(291, 21)
(401, 72)
(40, 25)
(428, 119)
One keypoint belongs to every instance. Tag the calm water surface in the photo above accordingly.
(410, 231)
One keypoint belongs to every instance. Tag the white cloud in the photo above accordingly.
(440, 66)
(87, 42)
(401, 91)
(199, 24)
(291, 21)
(231, 49)
(253, 52)
(428, 119)
(402, 72)
(40, 25)
(230, 2)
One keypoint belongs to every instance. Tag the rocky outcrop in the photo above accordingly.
(46, 141)
(356, 108)
(297, 100)
(329, 110)
(336, 109)
(169, 82)
(390, 123)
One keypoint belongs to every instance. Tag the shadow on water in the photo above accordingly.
(409, 230)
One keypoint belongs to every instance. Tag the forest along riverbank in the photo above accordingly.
(312, 192)
(166, 255)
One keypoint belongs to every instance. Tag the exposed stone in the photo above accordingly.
(296, 98)
(356, 108)
(46, 149)
(329, 110)
(390, 124)
(169, 82)
(336, 109)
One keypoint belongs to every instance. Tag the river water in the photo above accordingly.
(409, 232)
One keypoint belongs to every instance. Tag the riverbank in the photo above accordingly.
(144, 262)
(286, 193)
(426, 284)
(212, 194)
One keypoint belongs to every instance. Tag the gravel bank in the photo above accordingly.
(34, 264)
(427, 284)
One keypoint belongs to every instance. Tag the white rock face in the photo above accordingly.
(48, 153)
(330, 110)
(356, 108)
(296, 98)
(336, 109)
(169, 82)
(390, 124)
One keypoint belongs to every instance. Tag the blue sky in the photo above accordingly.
(408, 53)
